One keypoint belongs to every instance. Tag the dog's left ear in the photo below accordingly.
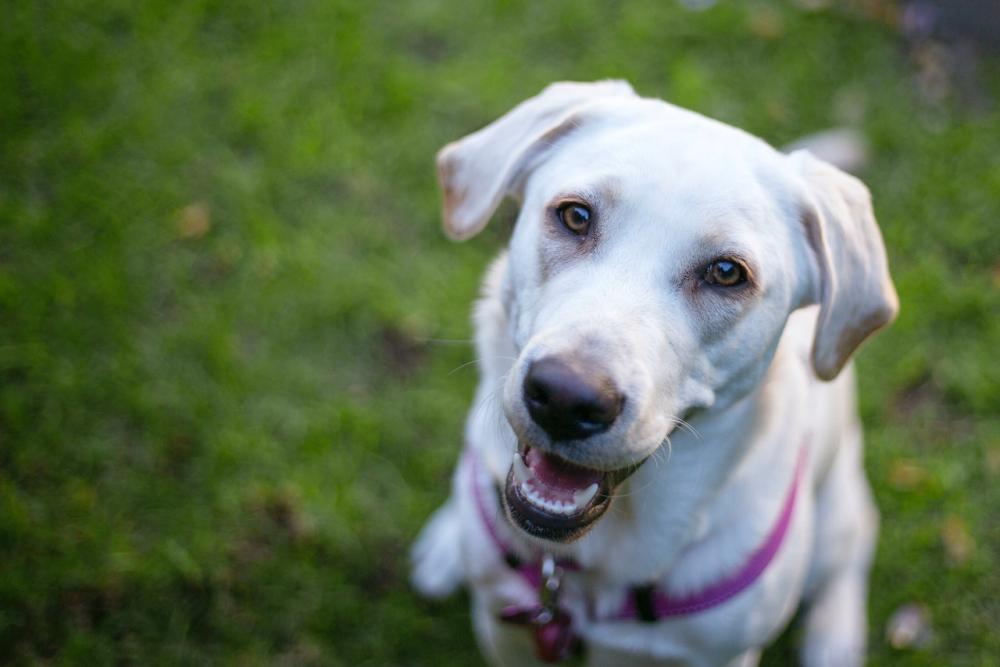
(856, 294)
(478, 171)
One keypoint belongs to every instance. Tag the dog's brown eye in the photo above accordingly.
(726, 273)
(575, 217)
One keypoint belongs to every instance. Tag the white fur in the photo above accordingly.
(671, 190)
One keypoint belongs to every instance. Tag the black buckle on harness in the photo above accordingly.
(644, 607)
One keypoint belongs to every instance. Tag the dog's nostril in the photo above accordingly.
(535, 391)
(568, 404)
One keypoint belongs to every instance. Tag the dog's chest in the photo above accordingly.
(609, 615)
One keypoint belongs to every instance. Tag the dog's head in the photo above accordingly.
(654, 262)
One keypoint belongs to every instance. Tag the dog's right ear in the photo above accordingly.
(478, 171)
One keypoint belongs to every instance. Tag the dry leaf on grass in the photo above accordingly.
(993, 460)
(193, 221)
(958, 543)
(906, 475)
(766, 23)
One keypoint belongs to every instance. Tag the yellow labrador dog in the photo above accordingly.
(663, 460)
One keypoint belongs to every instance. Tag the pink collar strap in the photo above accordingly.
(553, 627)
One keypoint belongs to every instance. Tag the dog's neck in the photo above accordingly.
(696, 491)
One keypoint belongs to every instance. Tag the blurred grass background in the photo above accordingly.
(233, 357)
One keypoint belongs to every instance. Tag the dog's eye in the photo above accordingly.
(726, 273)
(575, 218)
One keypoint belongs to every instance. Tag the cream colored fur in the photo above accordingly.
(759, 376)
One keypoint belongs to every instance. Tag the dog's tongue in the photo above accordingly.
(559, 476)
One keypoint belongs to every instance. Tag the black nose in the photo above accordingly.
(570, 404)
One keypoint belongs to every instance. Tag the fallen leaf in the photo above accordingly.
(194, 221)
(993, 460)
(906, 475)
(766, 23)
(909, 627)
(958, 543)
(886, 11)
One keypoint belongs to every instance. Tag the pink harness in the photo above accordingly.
(555, 638)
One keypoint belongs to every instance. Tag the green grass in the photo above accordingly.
(226, 403)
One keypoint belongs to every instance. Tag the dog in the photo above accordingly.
(663, 459)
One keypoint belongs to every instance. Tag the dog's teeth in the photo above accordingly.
(536, 499)
(581, 498)
(522, 473)
(553, 506)
(525, 479)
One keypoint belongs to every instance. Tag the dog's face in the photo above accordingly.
(655, 260)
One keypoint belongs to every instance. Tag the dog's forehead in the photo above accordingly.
(646, 152)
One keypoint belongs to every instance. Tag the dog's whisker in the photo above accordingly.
(493, 400)
(659, 456)
(461, 366)
(474, 361)
(677, 421)
(657, 459)
(656, 456)
(446, 341)
(488, 401)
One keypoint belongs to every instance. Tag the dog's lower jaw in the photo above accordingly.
(582, 495)
(546, 525)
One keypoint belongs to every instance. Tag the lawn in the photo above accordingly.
(234, 358)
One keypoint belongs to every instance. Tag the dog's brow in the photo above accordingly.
(610, 190)
(602, 192)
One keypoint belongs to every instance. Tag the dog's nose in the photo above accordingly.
(570, 404)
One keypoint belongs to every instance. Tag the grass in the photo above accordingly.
(229, 387)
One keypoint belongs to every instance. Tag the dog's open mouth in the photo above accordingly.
(554, 499)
